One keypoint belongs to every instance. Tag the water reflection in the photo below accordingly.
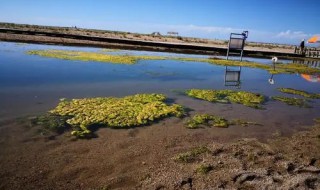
(274, 61)
(311, 78)
(309, 63)
(232, 76)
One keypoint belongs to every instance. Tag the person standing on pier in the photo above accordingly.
(302, 47)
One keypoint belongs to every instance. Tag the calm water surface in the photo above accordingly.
(31, 84)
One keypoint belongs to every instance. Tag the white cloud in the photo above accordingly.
(293, 35)
(204, 29)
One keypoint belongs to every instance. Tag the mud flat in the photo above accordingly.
(155, 158)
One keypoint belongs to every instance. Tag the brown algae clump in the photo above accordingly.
(210, 120)
(130, 111)
(293, 101)
(225, 96)
(91, 56)
(299, 92)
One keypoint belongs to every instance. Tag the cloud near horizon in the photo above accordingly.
(191, 30)
(293, 35)
(287, 36)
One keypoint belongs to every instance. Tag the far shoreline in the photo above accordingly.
(70, 36)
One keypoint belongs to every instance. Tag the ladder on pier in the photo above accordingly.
(235, 47)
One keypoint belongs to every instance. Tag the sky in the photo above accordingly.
(274, 21)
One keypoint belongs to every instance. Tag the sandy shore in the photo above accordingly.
(144, 158)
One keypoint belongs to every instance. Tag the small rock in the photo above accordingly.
(290, 167)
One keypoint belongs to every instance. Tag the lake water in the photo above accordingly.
(30, 85)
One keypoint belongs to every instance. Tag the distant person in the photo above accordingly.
(302, 46)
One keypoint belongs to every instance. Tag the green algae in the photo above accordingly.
(109, 50)
(299, 92)
(51, 122)
(293, 101)
(130, 111)
(242, 122)
(207, 120)
(279, 69)
(92, 56)
(191, 155)
(132, 59)
(211, 120)
(204, 169)
(226, 96)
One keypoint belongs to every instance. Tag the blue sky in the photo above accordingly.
(281, 21)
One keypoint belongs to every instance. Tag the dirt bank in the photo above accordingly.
(210, 43)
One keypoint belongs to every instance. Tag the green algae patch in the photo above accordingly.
(299, 92)
(204, 168)
(214, 121)
(52, 122)
(293, 101)
(191, 155)
(103, 56)
(130, 111)
(279, 68)
(226, 96)
(207, 120)
(92, 56)
(109, 50)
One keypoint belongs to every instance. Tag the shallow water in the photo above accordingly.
(31, 84)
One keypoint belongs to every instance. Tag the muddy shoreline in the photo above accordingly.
(144, 158)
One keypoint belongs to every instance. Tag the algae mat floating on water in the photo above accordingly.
(293, 101)
(132, 59)
(299, 92)
(278, 69)
(130, 111)
(215, 121)
(92, 56)
(226, 96)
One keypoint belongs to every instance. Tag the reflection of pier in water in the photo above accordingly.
(309, 63)
(308, 52)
